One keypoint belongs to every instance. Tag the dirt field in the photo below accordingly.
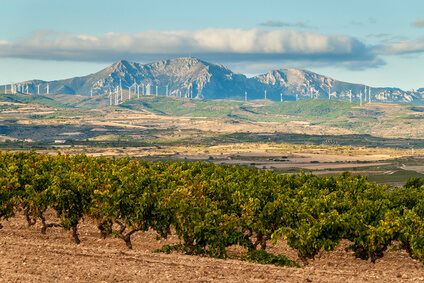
(28, 256)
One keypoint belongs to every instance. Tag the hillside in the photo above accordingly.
(305, 117)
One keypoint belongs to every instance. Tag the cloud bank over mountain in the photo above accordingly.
(222, 45)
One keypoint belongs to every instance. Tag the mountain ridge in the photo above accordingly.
(192, 77)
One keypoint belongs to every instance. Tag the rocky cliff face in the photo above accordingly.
(191, 77)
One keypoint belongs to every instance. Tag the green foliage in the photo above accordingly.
(212, 207)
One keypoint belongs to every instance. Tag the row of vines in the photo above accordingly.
(212, 207)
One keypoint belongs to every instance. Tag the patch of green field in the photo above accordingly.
(321, 109)
(416, 108)
(32, 99)
(7, 107)
(184, 107)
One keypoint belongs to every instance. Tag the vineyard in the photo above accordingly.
(213, 207)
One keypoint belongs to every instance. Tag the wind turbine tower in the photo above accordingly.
(156, 90)
(117, 95)
(48, 88)
(38, 89)
(281, 95)
(329, 92)
(265, 94)
(245, 96)
(148, 89)
(91, 92)
(120, 87)
(167, 90)
(365, 94)
(129, 92)
(350, 95)
(369, 94)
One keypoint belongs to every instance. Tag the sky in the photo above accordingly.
(377, 43)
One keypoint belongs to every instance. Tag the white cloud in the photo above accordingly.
(405, 46)
(224, 45)
(419, 23)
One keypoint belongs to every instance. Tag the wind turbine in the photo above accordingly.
(167, 90)
(281, 95)
(48, 88)
(350, 95)
(265, 94)
(117, 95)
(129, 92)
(369, 94)
(245, 96)
(26, 86)
(91, 92)
(110, 97)
(120, 87)
(156, 90)
(148, 89)
(365, 94)
(38, 89)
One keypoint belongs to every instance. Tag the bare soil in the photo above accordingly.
(26, 255)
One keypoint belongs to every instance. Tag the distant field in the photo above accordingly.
(375, 139)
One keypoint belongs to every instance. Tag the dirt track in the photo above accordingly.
(28, 256)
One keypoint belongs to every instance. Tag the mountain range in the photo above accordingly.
(191, 77)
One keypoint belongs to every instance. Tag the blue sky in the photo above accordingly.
(379, 43)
